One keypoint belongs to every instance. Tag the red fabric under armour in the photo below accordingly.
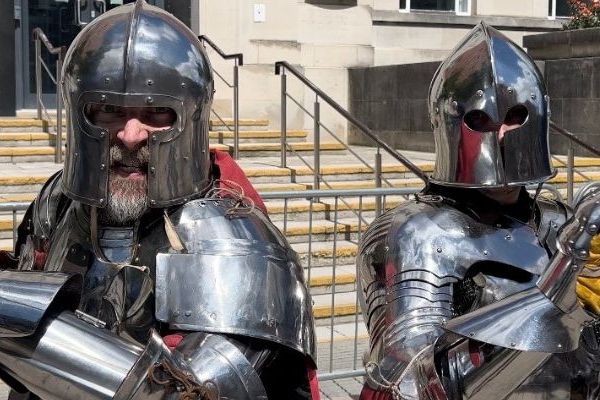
(231, 171)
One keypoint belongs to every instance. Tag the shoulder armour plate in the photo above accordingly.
(239, 277)
(434, 244)
(442, 242)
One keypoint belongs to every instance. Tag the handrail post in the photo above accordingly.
(236, 112)
(38, 75)
(317, 144)
(58, 143)
(378, 207)
(570, 172)
(283, 118)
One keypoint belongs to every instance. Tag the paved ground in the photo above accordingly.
(341, 389)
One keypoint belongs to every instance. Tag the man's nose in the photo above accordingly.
(504, 129)
(134, 134)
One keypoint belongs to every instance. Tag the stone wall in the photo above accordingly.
(392, 101)
(572, 73)
(574, 90)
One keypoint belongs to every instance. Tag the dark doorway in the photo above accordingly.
(61, 21)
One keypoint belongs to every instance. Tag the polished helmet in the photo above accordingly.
(489, 83)
(138, 55)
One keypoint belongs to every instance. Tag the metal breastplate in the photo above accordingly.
(424, 263)
(554, 380)
(118, 275)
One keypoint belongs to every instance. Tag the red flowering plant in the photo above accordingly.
(585, 14)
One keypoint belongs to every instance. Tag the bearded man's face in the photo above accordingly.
(129, 128)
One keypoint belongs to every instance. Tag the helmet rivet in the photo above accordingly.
(152, 170)
(149, 100)
(533, 96)
(103, 98)
(154, 138)
(437, 110)
(510, 90)
(102, 133)
(479, 93)
(149, 82)
(102, 167)
(107, 80)
(485, 252)
(455, 104)
(182, 84)
(78, 80)
(101, 201)
(439, 249)
(153, 202)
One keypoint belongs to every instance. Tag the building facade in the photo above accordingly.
(323, 38)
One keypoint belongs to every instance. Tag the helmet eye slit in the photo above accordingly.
(113, 117)
(516, 116)
(478, 120)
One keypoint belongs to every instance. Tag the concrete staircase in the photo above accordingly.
(26, 156)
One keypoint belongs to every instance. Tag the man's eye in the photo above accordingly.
(110, 109)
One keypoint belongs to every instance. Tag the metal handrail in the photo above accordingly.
(571, 157)
(281, 66)
(238, 56)
(238, 62)
(40, 37)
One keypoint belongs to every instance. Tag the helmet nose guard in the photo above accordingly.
(489, 74)
(138, 55)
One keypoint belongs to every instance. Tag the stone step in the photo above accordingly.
(265, 178)
(31, 173)
(46, 153)
(15, 155)
(272, 149)
(321, 279)
(23, 139)
(300, 210)
(31, 121)
(341, 306)
(322, 230)
(258, 136)
(323, 254)
(245, 123)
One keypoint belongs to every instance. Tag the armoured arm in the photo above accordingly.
(64, 355)
(486, 353)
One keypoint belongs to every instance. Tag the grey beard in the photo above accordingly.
(124, 207)
(127, 199)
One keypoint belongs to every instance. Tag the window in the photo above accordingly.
(558, 9)
(460, 7)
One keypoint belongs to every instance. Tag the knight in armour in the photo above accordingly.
(469, 291)
(147, 268)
